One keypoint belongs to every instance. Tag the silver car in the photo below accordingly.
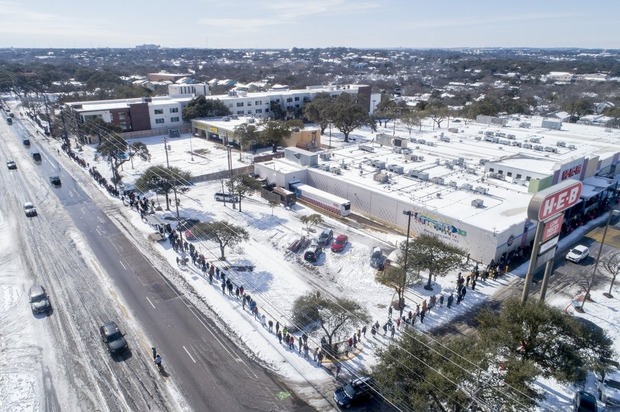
(609, 389)
(39, 301)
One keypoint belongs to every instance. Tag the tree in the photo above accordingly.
(243, 186)
(221, 232)
(555, 342)
(348, 114)
(245, 134)
(311, 220)
(411, 119)
(611, 263)
(318, 110)
(437, 112)
(99, 127)
(115, 149)
(306, 310)
(203, 107)
(277, 113)
(163, 180)
(428, 252)
(275, 131)
(338, 318)
(273, 204)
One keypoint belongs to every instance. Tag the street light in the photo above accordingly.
(598, 256)
(409, 213)
(191, 150)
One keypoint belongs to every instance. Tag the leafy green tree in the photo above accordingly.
(306, 310)
(338, 318)
(117, 151)
(243, 186)
(246, 134)
(275, 131)
(411, 119)
(555, 342)
(428, 252)
(221, 232)
(163, 180)
(277, 113)
(318, 110)
(203, 107)
(348, 114)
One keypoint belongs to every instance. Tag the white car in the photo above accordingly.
(578, 253)
(609, 389)
(29, 209)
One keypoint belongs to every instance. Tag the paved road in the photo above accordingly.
(212, 373)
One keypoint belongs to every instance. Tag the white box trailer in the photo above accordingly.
(321, 199)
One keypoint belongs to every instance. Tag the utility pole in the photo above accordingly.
(174, 189)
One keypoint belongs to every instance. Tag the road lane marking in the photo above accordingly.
(147, 298)
(188, 354)
(97, 230)
(121, 262)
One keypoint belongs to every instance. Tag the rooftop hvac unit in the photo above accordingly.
(325, 156)
(471, 170)
(466, 186)
(438, 180)
(482, 189)
(379, 164)
(452, 183)
(366, 148)
(335, 170)
(381, 177)
(396, 169)
(418, 175)
(324, 167)
(477, 203)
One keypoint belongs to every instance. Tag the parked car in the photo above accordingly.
(55, 181)
(11, 165)
(313, 254)
(340, 243)
(29, 209)
(608, 388)
(578, 253)
(325, 237)
(26, 142)
(39, 301)
(584, 402)
(355, 392)
(376, 258)
(113, 338)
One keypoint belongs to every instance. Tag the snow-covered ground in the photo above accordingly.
(280, 276)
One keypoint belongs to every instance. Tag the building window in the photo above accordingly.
(266, 110)
(240, 112)
(174, 110)
(509, 174)
(491, 169)
(249, 104)
(174, 119)
(239, 104)
(259, 110)
(159, 121)
(289, 100)
(518, 176)
(159, 111)
(297, 98)
(258, 103)
(528, 178)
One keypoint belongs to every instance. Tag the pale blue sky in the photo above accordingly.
(311, 23)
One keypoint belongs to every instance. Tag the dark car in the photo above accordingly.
(26, 142)
(355, 392)
(55, 181)
(325, 237)
(584, 402)
(340, 243)
(39, 301)
(36, 157)
(11, 165)
(313, 254)
(113, 338)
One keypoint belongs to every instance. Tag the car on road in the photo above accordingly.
(29, 209)
(313, 253)
(354, 393)
(325, 237)
(578, 253)
(26, 142)
(39, 301)
(36, 156)
(11, 165)
(55, 181)
(340, 243)
(608, 387)
(376, 258)
(113, 338)
(584, 402)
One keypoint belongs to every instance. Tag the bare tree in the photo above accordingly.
(611, 263)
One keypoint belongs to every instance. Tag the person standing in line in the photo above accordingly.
(364, 330)
(338, 368)
(441, 300)
(393, 331)
(279, 335)
(315, 354)
(422, 314)
(277, 326)
(270, 326)
(390, 311)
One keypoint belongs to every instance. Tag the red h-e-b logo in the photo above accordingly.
(559, 201)
(571, 172)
